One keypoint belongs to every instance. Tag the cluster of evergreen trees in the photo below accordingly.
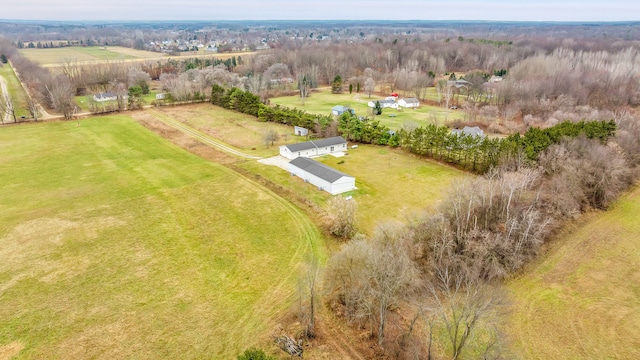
(248, 103)
(363, 130)
(470, 152)
(479, 154)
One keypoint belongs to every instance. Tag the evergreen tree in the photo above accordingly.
(378, 108)
(336, 85)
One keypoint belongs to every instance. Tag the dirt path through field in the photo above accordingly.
(198, 135)
(6, 117)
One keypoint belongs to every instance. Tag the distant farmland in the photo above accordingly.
(97, 54)
(118, 244)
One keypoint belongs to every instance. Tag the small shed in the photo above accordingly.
(409, 103)
(322, 176)
(300, 131)
(339, 110)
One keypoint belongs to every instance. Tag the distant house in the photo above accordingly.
(339, 110)
(314, 147)
(458, 83)
(161, 96)
(322, 176)
(300, 131)
(386, 103)
(495, 79)
(409, 103)
(469, 131)
(102, 97)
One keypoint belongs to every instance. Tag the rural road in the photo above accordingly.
(5, 93)
(198, 135)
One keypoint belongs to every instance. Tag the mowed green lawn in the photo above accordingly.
(321, 102)
(115, 243)
(581, 300)
(15, 89)
(58, 56)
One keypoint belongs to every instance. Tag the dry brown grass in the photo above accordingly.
(9, 351)
(241, 131)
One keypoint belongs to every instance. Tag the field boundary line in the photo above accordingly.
(168, 120)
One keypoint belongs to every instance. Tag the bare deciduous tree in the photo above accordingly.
(368, 277)
(369, 86)
(341, 217)
(33, 107)
(269, 135)
(60, 96)
(463, 305)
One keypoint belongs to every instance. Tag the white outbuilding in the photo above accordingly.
(300, 131)
(314, 147)
(322, 176)
(409, 103)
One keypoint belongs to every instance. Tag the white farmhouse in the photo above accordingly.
(322, 176)
(386, 103)
(314, 147)
(409, 103)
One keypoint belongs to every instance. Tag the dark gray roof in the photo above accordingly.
(105, 95)
(316, 143)
(340, 108)
(470, 131)
(411, 101)
(320, 170)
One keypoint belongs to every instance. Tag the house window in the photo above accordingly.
(298, 153)
(332, 149)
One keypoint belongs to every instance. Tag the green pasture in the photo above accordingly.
(58, 56)
(580, 299)
(321, 102)
(115, 243)
(15, 89)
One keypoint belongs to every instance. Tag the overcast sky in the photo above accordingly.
(510, 10)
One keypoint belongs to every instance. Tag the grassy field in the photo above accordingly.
(378, 170)
(15, 90)
(322, 101)
(580, 301)
(115, 243)
(55, 57)
(77, 53)
(391, 183)
(244, 132)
